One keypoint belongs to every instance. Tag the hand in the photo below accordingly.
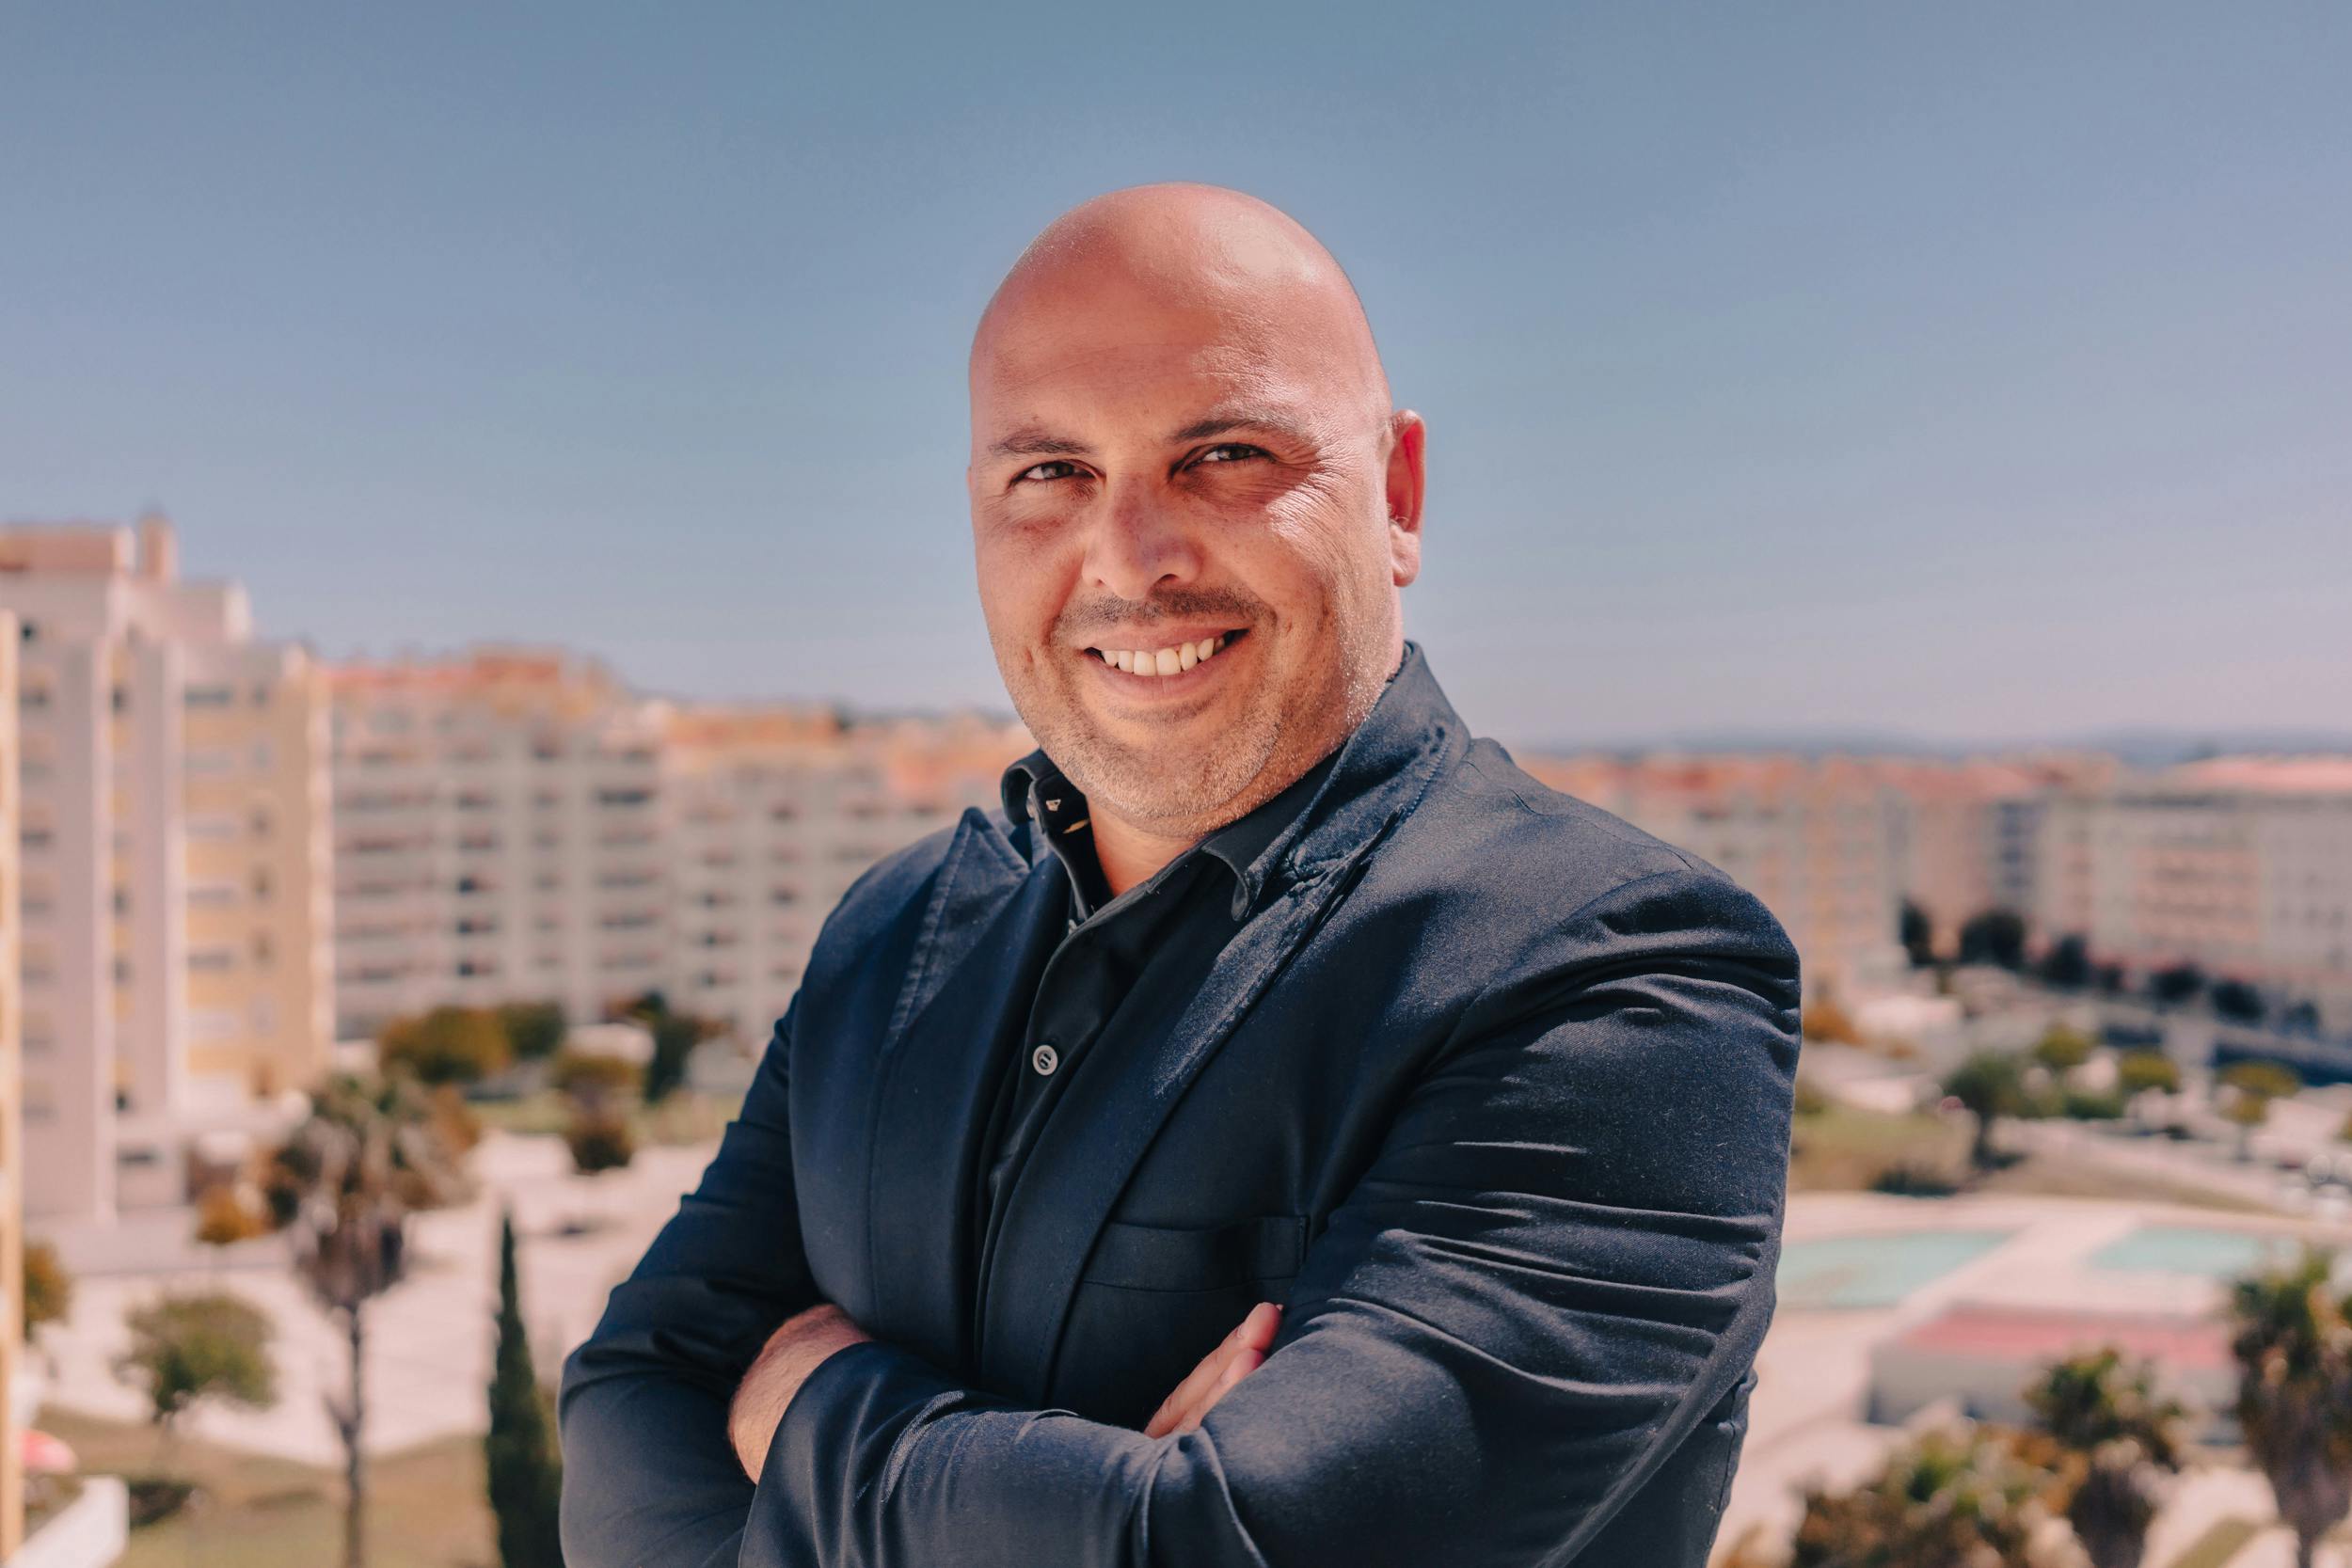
(793, 1351)
(1239, 1354)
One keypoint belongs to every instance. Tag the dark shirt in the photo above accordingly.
(1122, 969)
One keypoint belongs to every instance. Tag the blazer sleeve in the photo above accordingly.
(650, 1477)
(1559, 1258)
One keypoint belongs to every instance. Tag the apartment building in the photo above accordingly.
(513, 824)
(1816, 839)
(11, 1115)
(2239, 865)
(1969, 832)
(174, 952)
(498, 836)
(774, 813)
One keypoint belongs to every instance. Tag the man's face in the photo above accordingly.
(1156, 466)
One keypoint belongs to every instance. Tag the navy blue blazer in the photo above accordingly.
(1492, 1091)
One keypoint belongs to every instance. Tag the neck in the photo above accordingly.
(1130, 854)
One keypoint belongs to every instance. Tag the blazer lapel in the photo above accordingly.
(932, 1081)
(1111, 1110)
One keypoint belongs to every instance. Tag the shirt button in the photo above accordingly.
(1045, 1059)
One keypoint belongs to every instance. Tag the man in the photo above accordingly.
(1287, 1133)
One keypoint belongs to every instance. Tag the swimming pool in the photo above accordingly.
(1876, 1270)
(2214, 1254)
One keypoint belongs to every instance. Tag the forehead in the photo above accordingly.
(1100, 352)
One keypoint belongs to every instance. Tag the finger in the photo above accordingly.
(1238, 1366)
(1243, 1364)
(1181, 1400)
(1186, 1397)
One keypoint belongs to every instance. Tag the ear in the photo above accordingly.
(1407, 441)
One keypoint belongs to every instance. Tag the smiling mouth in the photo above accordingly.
(1173, 660)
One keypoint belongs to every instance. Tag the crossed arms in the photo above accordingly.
(1559, 1259)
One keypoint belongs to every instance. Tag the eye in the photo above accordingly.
(1229, 446)
(1050, 462)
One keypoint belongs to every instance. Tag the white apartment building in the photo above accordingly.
(1816, 839)
(513, 825)
(773, 813)
(2240, 865)
(497, 837)
(173, 892)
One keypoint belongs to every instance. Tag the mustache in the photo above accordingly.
(1108, 613)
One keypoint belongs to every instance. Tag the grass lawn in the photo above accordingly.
(684, 1117)
(425, 1507)
(1843, 1147)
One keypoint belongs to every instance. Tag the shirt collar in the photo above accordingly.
(1252, 845)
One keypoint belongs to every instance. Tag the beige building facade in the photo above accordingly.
(174, 957)
(513, 825)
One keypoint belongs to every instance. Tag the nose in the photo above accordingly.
(1137, 543)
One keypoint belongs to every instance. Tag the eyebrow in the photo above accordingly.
(1037, 441)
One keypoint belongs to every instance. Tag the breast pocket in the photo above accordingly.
(1266, 1249)
(1154, 1299)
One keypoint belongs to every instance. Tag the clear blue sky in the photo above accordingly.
(1974, 371)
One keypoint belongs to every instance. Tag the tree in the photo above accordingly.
(587, 1077)
(223, 1218)
(1965, 1496)
(1989, 1084)
(534, 1030)
(2138, 1072)
(2067, 964)
(2293, 1350)
(448, 1045)
(2236, 1001)
(2062, 1048)
(2176, 983)
(2118, 1440)
(1917, 934)
(600, 1139)
(525, 1469)
(187, 1349)
(48, 1289)
(675, 1037)
(342, 1185)
(1994, 937)
(2252, 1087)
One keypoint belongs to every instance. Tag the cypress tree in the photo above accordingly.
(525, 1470)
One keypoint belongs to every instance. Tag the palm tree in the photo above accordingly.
(2293, 1350)
(1968, 1495)
(343, 1187)
(2118, 1438)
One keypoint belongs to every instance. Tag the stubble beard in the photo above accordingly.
(1192, 792)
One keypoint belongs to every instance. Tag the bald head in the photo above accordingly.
(1243, 274)
(1192, 508)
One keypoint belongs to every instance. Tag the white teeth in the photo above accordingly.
(1164, 661)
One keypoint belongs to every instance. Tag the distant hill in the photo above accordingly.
(2146, 747)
